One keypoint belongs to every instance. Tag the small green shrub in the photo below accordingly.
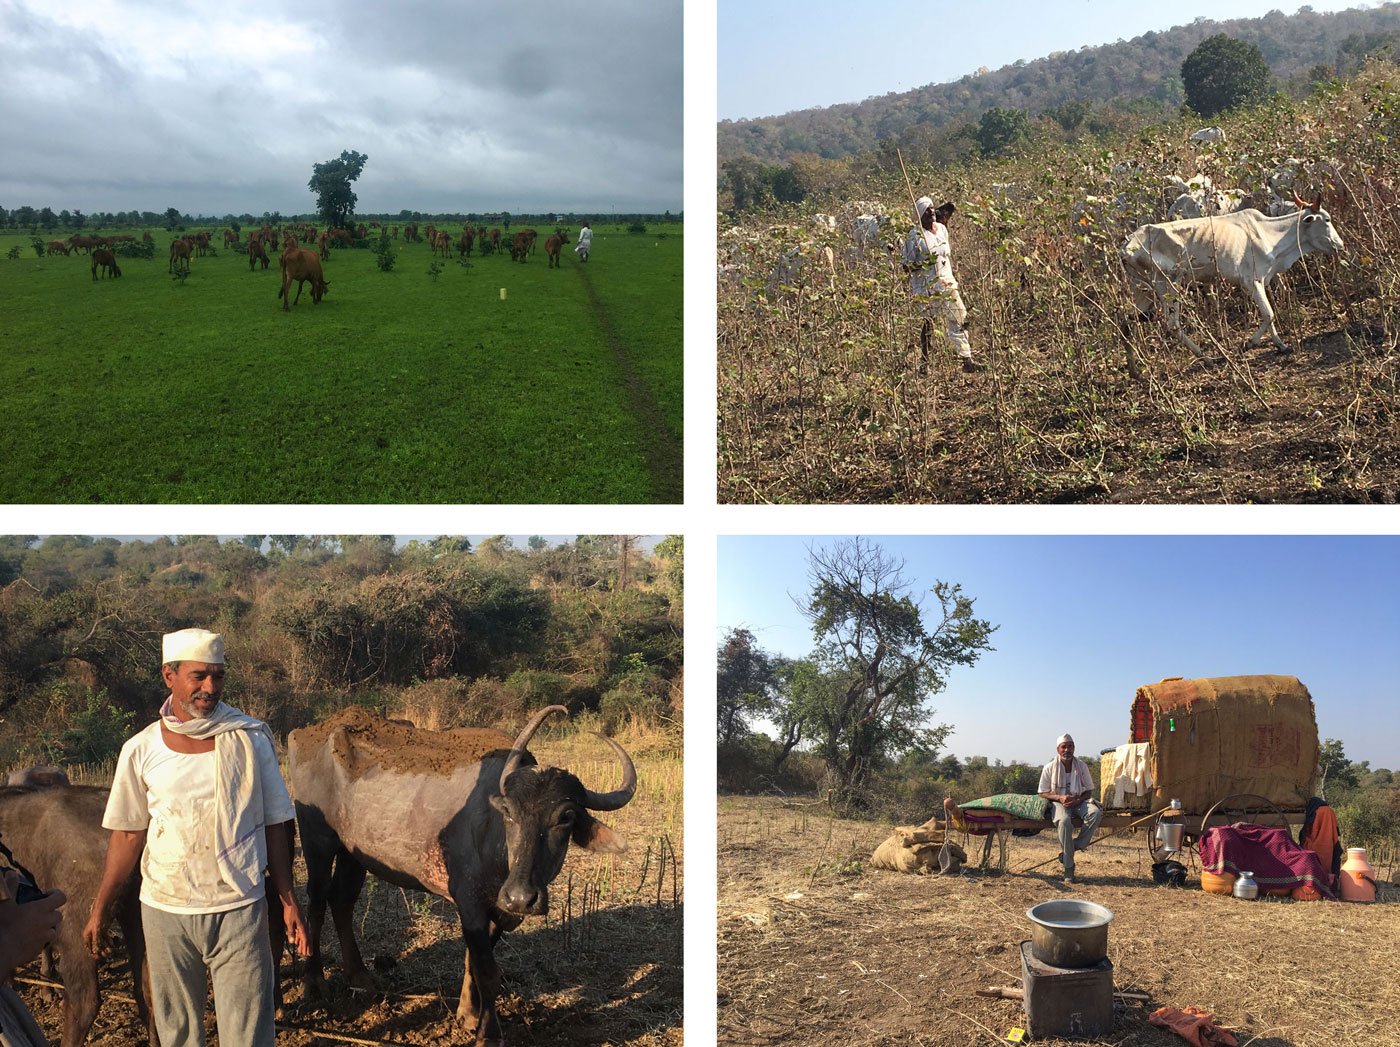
(435, 269)
(636, 228)
(38, 245)
(13, 253)
(384, 254)
(96, 728)
(137, 249)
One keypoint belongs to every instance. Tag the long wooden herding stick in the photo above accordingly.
(909, 186)
(1115, 832)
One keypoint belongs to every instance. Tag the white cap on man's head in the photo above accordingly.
(922, 204)
(192, 645)
(1062, 739)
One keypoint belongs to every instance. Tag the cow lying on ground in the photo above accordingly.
(104, 259)
(301, 265)
(462, 814)
(1245, 248)
(56, 833)
(919, 849)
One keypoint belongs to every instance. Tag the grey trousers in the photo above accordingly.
(1092, 814)
(233, 946)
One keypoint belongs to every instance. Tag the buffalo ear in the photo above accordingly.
(499, 802)
(593, 835)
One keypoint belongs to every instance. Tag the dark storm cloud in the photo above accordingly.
(470, 107)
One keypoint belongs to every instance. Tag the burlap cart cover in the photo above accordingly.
(1222, 735)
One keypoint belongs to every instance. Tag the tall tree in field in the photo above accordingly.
(1224, 73)
(882, 656)
(330, 181)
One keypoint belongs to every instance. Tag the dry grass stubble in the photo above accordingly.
(812, 951)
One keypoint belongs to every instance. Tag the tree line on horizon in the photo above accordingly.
(1099, 93)
(439, 631)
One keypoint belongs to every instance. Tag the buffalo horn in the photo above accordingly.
(622, 794)
(518, 748)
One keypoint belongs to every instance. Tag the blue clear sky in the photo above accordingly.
(1085, 620)
(776, 56)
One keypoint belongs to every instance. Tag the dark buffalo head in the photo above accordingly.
(543, 809)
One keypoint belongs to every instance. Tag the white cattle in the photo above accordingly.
(801, 265)
(1245, 248)
(867, 229)
(1203, 203)
(1208, 136)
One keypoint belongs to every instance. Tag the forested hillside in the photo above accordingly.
(1092, 91)
(436, 631)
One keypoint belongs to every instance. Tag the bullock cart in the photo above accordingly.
(1227, 749)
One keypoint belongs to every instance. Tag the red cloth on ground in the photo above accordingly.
(1193, 1025)
(1277, 861)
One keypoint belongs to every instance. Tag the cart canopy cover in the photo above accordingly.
(1222, 735)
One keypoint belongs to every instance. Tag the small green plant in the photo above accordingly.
(13, 253)
(137, 249)
(384, 254)
(38, 245)
(180, 276)
(636, 228)
(435, 269)
(96, 730)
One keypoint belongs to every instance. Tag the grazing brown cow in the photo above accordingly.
(323, 247)
(104, 259)
(531, 235)
(146, 238)
(464, 243)
(301, 265)
(519, 247)
(87, 243)
(442, 243)
(495, 239)
(179, 252)
(552, 247)
(230, 238)
(56, 247)
(256, 253)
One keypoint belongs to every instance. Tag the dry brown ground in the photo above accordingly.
(815, 950)
(603, 968)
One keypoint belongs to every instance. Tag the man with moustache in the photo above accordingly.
(1066, 783)
(199, 801)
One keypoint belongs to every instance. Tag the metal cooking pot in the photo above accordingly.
(1069, 932)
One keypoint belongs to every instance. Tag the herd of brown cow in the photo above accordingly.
(302, 264)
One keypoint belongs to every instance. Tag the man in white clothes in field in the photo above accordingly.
(928, 260)
(585, 243)
(1065, 782)
(198, 800)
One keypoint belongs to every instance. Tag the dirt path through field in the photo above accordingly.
(661, 451)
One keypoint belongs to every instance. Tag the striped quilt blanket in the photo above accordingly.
(1015, 805)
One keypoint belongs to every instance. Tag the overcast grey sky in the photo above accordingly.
(493, 105)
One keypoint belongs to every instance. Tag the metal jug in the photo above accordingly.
(1246, 887)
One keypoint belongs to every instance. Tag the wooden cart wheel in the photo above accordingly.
(1231, 806)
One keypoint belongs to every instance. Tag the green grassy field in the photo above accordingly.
(396, 388)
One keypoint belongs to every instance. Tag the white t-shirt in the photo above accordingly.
(927, 253)
(171, 795)
(585, 237)
(1054, 778)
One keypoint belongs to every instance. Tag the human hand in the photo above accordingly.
(295, 924)
(26, 929)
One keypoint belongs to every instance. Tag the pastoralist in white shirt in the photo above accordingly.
(198, 800)
(1065, 782)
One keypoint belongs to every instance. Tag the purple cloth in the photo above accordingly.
(1277, 862)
